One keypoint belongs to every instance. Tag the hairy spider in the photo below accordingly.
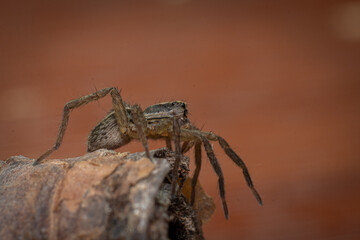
(160, 121)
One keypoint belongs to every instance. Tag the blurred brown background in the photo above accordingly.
(278, 79)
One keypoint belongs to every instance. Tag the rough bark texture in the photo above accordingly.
(101, 195)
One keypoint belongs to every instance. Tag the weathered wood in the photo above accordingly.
(101, 195)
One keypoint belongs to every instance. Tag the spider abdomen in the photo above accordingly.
(107, 134)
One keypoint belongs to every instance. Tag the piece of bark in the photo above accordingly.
(101, 195)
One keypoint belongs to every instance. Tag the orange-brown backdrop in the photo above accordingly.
(278, 79)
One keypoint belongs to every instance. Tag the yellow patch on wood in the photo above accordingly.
(203, 204)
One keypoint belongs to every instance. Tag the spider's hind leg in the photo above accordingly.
(117, 103)
(141, 125)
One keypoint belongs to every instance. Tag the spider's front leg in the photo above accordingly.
(199, 137)
(237, 160)
(197, 170)
(216, 166)
(177, 143)
(204, 137)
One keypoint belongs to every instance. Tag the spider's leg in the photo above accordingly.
(66, 113)
(216, 166)
(168, 143)
(140, 124)
(176, 135)
(187, 145)
(236, 159)
(196, 135)
(197, 170)
(120, 111)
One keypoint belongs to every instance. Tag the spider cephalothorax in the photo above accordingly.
(167, 121)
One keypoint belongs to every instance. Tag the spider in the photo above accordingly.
(167, 121)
